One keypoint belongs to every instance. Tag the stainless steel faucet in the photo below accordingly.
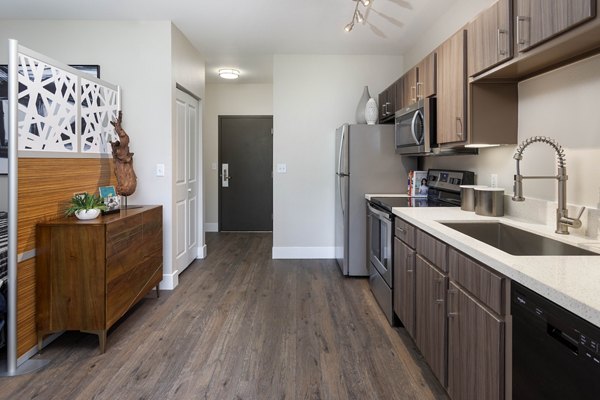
(563, 221)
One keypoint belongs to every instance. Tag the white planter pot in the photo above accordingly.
(87, 214)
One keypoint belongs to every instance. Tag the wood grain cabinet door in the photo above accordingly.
(475, 349)
(426, 77)
(404, 285)
(489, 38)
(409, 94)
(451, 89)
(430, 316)
(539, 20)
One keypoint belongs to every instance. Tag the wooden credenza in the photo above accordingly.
(90, 273)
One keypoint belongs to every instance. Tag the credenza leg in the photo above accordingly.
(102, 340)
(157, 292)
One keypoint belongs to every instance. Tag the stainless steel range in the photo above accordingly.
(444, 191)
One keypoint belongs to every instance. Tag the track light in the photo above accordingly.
(357, 16)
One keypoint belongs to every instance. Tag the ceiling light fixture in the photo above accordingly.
(357, 16)
(229, 73)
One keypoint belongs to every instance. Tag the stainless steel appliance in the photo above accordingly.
(365, 163)
(443, 191)
(415, 128)
(556, 354)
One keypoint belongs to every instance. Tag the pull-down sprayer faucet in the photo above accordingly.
(563, 221)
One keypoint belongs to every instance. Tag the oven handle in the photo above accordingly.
(380, 214)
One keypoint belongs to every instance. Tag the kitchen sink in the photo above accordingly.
(516, 241)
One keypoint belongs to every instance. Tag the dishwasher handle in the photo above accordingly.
(562, 338)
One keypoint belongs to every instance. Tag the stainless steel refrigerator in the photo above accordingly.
(366, 162)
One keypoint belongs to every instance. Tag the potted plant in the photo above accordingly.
(85, 206)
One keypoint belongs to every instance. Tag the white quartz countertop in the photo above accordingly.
(368, 196)
(570, 281)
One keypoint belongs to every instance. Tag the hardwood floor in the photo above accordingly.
(241, 326)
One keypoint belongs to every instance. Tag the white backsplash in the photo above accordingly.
(544, 212)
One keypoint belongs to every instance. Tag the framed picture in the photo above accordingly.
(107, 191)
(93, 70)
(113, 204)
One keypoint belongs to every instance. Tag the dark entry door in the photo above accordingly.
(245, 173)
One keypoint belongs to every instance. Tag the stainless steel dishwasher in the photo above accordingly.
(555, 353)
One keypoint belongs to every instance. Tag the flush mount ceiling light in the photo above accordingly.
(357, 16)
(228, 73)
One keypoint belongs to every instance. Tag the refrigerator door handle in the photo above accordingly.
(342, 195)
(339, 167)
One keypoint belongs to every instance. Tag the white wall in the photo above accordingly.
(137, 56)
(226, 99)
(312, 96)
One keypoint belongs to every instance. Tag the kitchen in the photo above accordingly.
(543, 103)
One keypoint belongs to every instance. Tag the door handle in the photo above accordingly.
(189, 190)
(225, 175)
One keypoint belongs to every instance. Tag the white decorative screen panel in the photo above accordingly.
(98, 108)
(62, 110)
(47, 107)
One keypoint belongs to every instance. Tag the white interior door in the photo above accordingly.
(186, 180)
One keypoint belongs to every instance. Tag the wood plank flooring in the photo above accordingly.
(241, 326)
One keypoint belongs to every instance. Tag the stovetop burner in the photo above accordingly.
(387, 203)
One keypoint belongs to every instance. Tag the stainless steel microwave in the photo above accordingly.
(415, 128)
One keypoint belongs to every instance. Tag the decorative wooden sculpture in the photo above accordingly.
(126, 179)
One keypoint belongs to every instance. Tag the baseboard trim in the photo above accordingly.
(202, 251)
(170, 281)
(303, 252)
(211, 227)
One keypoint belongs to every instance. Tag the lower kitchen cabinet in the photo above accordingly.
(430, 325)
(404, 285)
(475, 349)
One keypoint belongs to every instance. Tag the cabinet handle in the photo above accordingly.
(401, 230)
(419, 92)
(386, 109)
(459, 127)
(413, 89)
(519, 20)
(450, 293)
(501, 51)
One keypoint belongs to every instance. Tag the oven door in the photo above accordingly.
(380, 242)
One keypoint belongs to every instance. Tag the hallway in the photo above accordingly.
(241, 326)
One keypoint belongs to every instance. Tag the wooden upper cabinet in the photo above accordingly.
(489, 38)
(409, 87)
(451, 89)
(426, 77)
(539, 20)
(387, 103)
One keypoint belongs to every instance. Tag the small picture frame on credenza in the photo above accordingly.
(111, 200)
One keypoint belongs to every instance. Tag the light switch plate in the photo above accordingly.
(160, 169)
(214, 166)
(281, 168)
(494, 180)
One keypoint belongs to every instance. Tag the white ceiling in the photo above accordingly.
(245, 34)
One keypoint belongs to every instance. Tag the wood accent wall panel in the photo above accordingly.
(45, 187)
(47, 184)
(26, 333)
